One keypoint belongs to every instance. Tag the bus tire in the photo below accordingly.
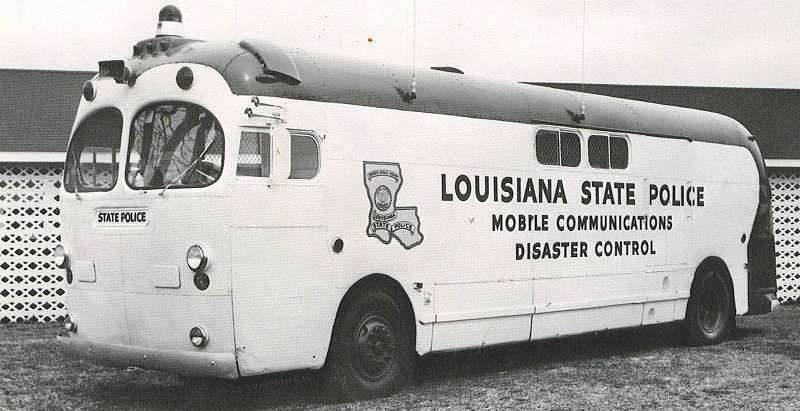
(710, 310)
(372, 349)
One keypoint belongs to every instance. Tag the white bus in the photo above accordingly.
(235, 209)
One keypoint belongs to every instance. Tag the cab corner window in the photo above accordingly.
(178, 145)
(93, 155)
(305, 155)
(254, 155)
(558, 148)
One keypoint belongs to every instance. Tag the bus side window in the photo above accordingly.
(547, 150)
(598, 151)
(608, 152)
(305, 156)
(254, 155)
(570, 149)
(556, 148)
(618, 152)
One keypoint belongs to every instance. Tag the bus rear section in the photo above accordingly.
(145, 240)
(762, 279)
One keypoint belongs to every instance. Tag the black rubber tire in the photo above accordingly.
(710, 314)
(372, 349)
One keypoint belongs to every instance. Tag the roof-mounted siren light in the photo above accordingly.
(170, 22)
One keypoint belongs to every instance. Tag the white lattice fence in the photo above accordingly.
(786, 217)
(31, 286)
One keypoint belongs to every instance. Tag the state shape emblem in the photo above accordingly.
(386, 219)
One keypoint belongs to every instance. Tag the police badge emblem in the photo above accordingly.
(386, 219)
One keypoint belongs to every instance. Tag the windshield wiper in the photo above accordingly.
(75, 171)
(200, 157)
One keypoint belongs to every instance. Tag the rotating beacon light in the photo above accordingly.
(170, 22)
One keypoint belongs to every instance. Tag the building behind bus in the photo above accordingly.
(33, 149)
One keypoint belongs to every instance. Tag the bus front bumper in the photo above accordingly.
(194, 364)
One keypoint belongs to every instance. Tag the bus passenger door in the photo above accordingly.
(279, 252)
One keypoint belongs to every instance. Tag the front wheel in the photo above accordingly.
(372, 349)
(710, 311)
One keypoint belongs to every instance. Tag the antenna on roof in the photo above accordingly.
(413, 85)
(170, 22)
(582, 114)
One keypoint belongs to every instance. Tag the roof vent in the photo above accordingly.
(170, 22)
(448, 69)
(276, 65)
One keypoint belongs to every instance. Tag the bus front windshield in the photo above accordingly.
(176, 145)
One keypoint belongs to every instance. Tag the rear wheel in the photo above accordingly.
(371, 349)
(710, 312)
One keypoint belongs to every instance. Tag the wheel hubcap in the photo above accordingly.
(374, 347)
(711, 305)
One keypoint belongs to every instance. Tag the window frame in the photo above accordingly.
(116, 158)
(130, 141)
(560, 131)
(272, 179)
(317, 140)
(561, 152)
(628, 149)
(608, 137)
(260, 147)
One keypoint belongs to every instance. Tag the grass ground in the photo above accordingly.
(758, 368)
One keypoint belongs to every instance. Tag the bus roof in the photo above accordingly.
(332, 79)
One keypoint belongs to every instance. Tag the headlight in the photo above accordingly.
(198, 337)
(196, 258)
(60, 257)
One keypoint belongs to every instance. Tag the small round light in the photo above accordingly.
(338, 245)
(89, 92)
(196, 258)
(60, 257)
(70, 325)
(184, 78)
(198, 337)
(201, 281)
